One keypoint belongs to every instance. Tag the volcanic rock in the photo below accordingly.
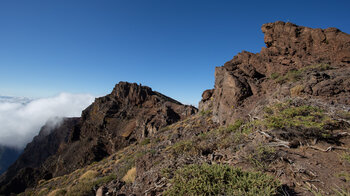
(244, 80)
(129, 113)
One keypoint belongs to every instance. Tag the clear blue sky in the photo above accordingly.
(173, 46)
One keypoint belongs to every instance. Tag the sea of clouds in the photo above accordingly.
(22, 118)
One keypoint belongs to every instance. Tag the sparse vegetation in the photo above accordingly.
(290, 76)
(88, 175)
(296, 90)
(295, 75)
(57, 192)
(128, 162)
(342, 192)
(262, 156)
(307, 121)
(344, 175)
(184, 147)
(286, 115)
(344, 115)
(235, 126)
(85, 186)
(130, 175)
(205, 112)
(274, 76)
(346, 157)
(145, 141)
(220, 180)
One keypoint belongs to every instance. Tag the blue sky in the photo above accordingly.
(48, 47)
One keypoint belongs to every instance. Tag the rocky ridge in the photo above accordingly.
(131, 112)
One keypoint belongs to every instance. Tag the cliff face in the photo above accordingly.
(131, 112)
(244, 80)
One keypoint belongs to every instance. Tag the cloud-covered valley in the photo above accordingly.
(21, 119)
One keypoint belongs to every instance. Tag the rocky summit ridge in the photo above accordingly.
(276, 123)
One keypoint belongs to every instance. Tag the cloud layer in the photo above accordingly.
(21, 120)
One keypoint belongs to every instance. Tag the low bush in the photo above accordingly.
(262, 156)
(301, 120)
(184, 147)
(220, 180)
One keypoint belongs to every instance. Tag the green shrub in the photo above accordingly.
(235, 126)
(262, 157)
(290, 76)
(306, 116)
(184, 147)
(205, 112)
(295, 75)
(308, 120)
(220, 180)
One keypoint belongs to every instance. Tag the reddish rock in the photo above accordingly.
(244, 80)
(130, 113)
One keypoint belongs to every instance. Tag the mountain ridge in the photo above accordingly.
(283, 112)
(127, 114)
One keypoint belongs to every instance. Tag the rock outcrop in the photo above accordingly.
(131, 112)
(244, 80)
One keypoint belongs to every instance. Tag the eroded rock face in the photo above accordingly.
(245, 79)
(127, 115)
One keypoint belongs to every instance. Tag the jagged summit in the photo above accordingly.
(136, 94)
(131, 92)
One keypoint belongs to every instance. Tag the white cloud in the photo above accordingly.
(21, 121)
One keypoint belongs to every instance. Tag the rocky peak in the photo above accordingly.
(127, 115)
(246, 78)
(131, 92)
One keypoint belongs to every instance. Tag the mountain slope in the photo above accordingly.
(282, 116)
(130, 113)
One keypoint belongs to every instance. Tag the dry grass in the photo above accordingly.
(57, 192)
(130, 175)
(296, 90)
(89, 175)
